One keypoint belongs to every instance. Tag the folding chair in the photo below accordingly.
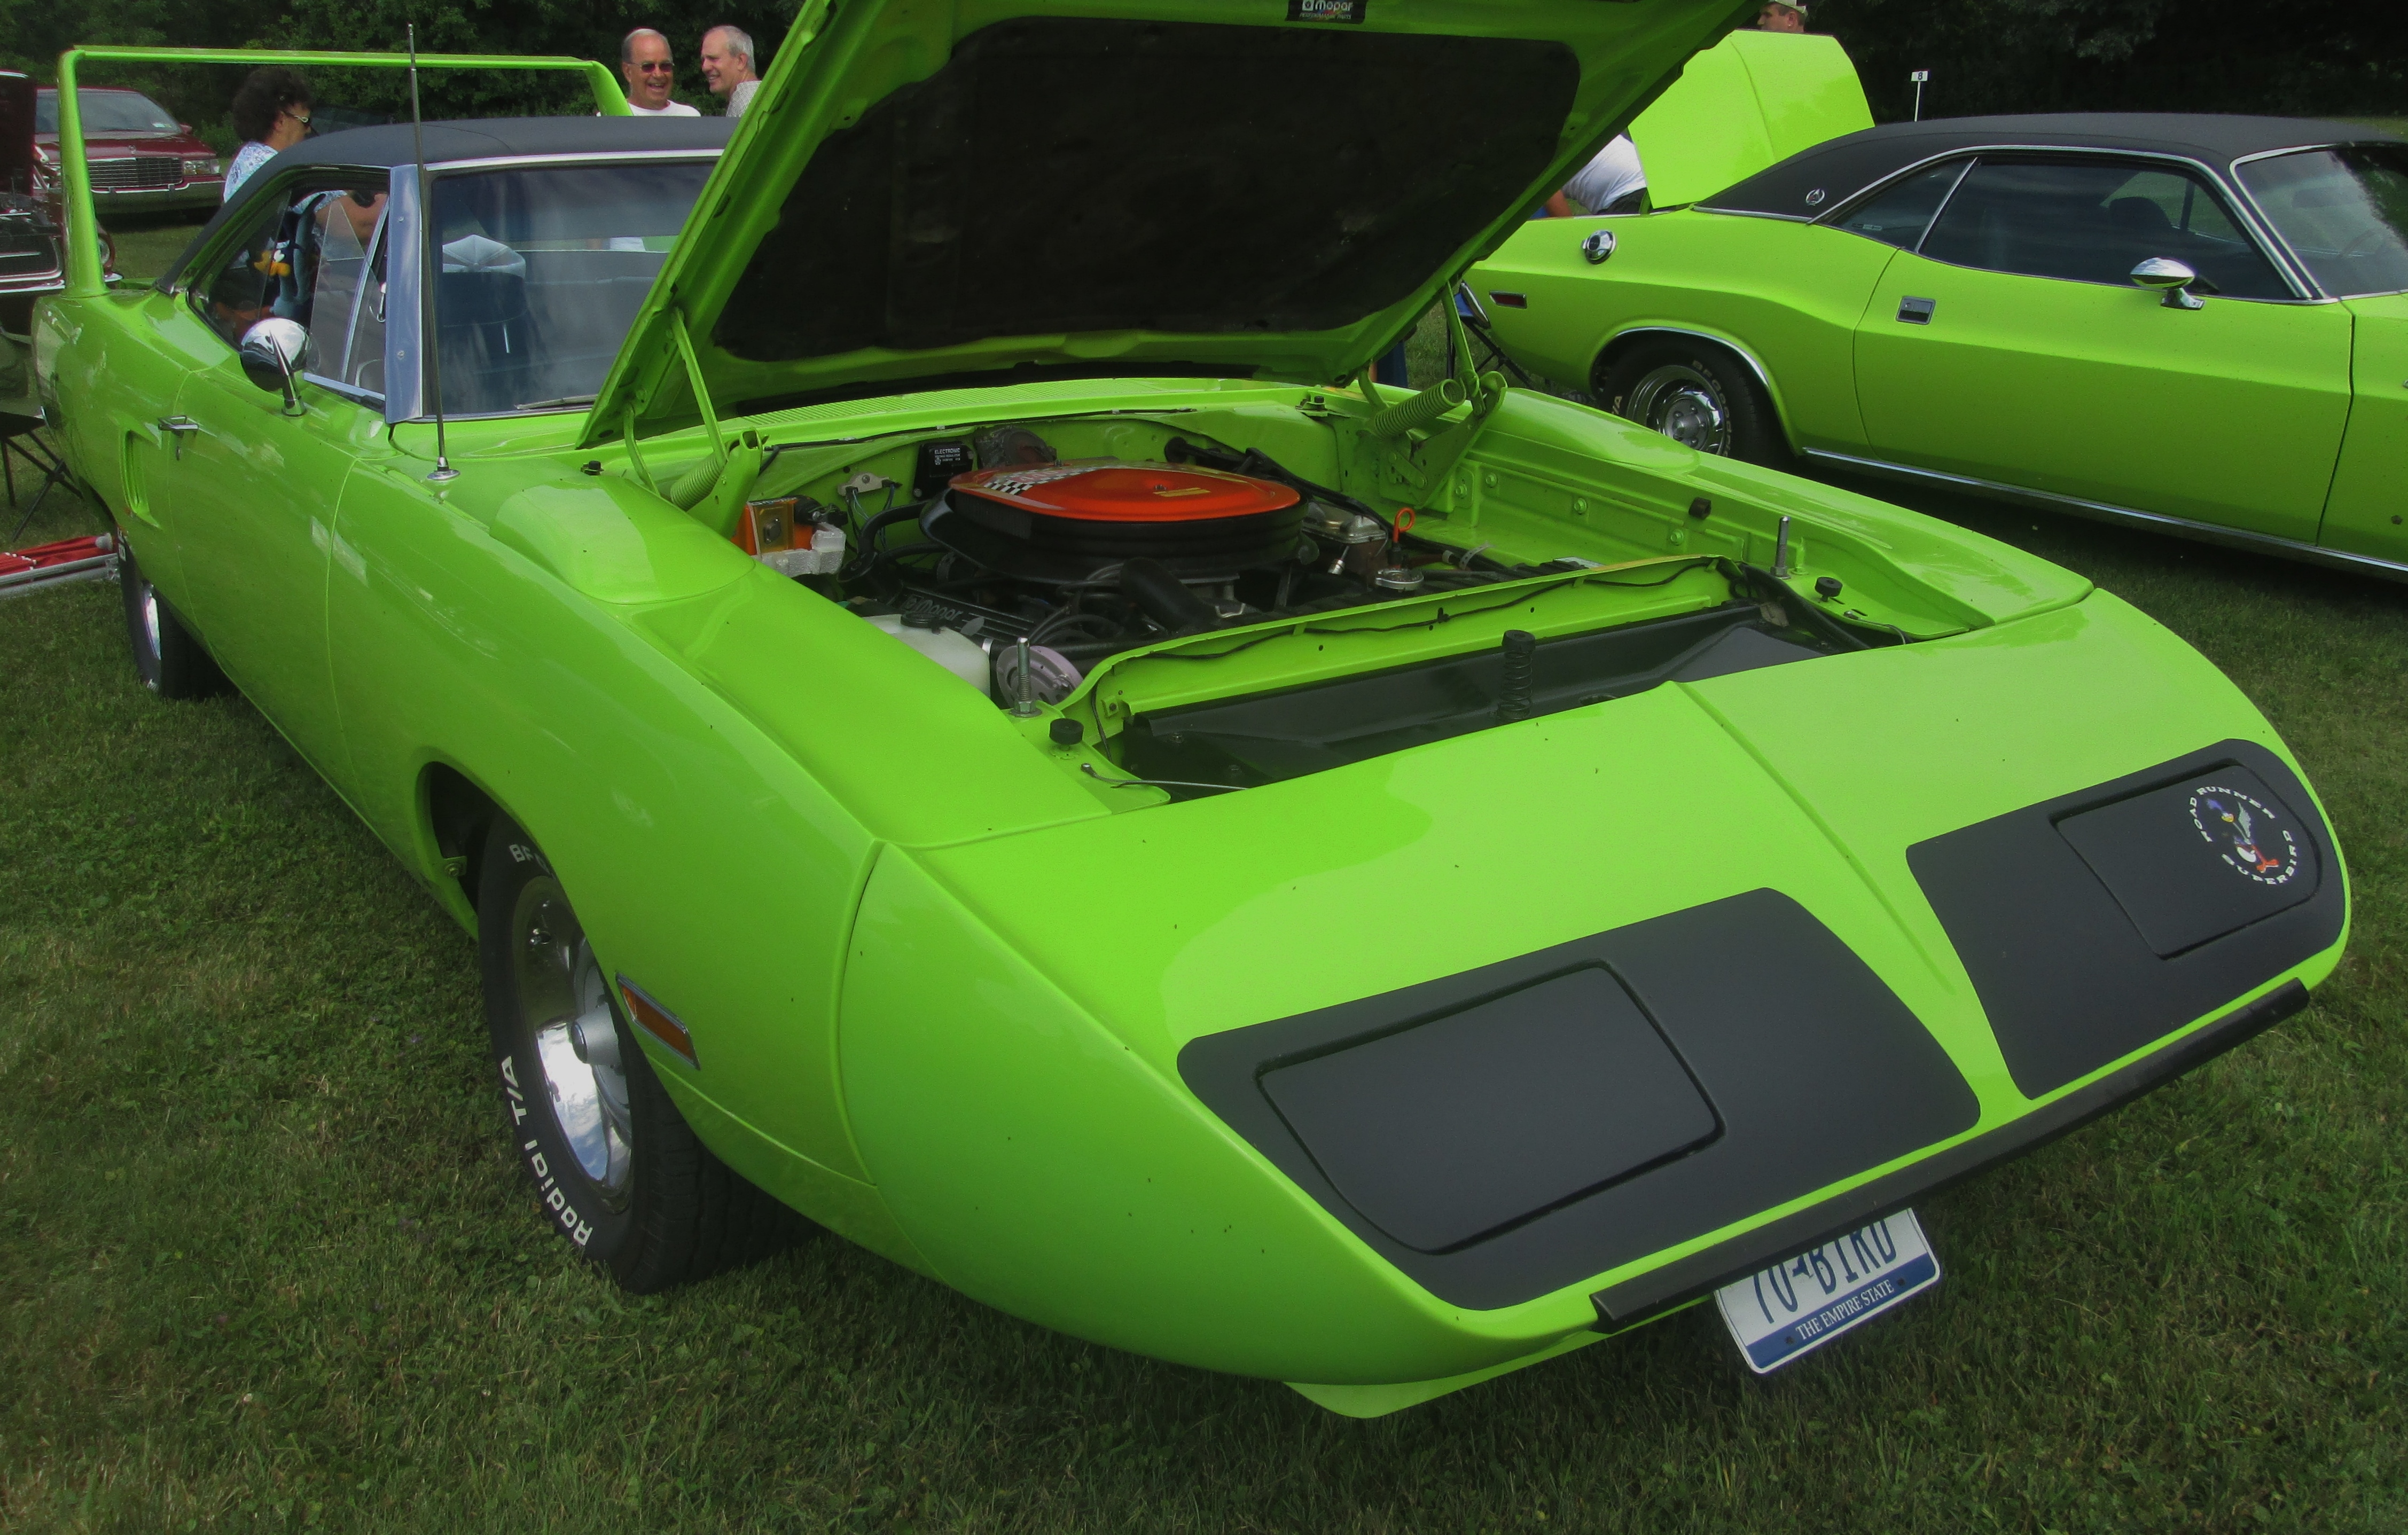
(17, 440)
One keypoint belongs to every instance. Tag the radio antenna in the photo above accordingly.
(430, 348)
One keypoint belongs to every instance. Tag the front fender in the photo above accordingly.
(1044, 1166)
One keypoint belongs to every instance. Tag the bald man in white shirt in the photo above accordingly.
(645, 64)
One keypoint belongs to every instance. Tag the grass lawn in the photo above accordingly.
(145, 247)
(264, 1262)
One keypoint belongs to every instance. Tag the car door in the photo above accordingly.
(2344, 211)
(251, 496)
(2368, 513)
(2011, 346)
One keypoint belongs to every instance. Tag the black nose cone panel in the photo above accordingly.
(1500, 1132)
(2101, 920)
(1472, 1121)
(2199, 859)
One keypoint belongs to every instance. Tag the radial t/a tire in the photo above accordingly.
(1696, 393)
(616, 1170)
(170, 662)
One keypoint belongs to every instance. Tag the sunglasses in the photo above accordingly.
(650, 67)
(302, 118)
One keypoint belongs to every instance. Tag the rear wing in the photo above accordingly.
(84, 274)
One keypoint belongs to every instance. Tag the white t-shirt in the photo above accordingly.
(1613, 175)
(741, 97)
(675, 109)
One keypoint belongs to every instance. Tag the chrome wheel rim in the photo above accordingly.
(151, 615)
(567, 1001)
(1683, 404)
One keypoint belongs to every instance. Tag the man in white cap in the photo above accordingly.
(1778, 16)
(727, 66)
(644, 63)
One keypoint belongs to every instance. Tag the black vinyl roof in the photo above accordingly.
(1846, 165)
(392, 144)
(389, 144)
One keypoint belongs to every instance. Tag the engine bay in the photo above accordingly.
(1088, 576)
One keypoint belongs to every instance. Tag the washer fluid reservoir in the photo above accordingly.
(949, 648)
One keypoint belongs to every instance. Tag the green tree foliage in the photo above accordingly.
(33, 33)
(2301, 58)
(2305, 57)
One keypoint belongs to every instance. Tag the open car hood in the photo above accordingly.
(973, 190)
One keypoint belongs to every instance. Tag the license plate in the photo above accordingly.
(1793, 1307)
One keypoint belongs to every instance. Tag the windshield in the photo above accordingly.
(543, 269)
(2344, 210)
(105, 113)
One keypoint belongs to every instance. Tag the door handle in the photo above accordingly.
(179, 428)
(1915, 311)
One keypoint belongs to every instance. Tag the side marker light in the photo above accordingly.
(657, 1021)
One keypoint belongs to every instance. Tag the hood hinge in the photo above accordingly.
(1419, 470)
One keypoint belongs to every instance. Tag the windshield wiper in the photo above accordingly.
(564, 401)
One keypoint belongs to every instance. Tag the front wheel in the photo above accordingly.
(170, 662)
(616, 1169)
(1697, 395)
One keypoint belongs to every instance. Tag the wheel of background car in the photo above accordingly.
(616, 1169)
(170, 662)
(1695, 395)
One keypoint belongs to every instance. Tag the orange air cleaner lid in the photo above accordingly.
(1113, 490)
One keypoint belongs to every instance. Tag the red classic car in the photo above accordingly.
(28, 231)
(142, 159)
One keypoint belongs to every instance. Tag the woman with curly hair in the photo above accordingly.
(271, 112)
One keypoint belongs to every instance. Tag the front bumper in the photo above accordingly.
(1640, 1301)
(189, 195)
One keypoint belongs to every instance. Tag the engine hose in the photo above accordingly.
(1164, 598)
(873, 554)
(1261, 465)
(1083, 651)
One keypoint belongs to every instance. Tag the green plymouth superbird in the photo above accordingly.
(2194, 324)
(954, 708)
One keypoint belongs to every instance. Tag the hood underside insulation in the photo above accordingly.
(1085, 174)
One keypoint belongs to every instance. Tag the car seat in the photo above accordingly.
(487, 339)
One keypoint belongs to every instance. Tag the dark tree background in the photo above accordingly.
(2301, 57)
(2296, 58)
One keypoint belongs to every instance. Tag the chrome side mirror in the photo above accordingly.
(2164, 275)
(1596, 246)
(272, 351)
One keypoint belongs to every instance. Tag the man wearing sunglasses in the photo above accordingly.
(644, 60)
